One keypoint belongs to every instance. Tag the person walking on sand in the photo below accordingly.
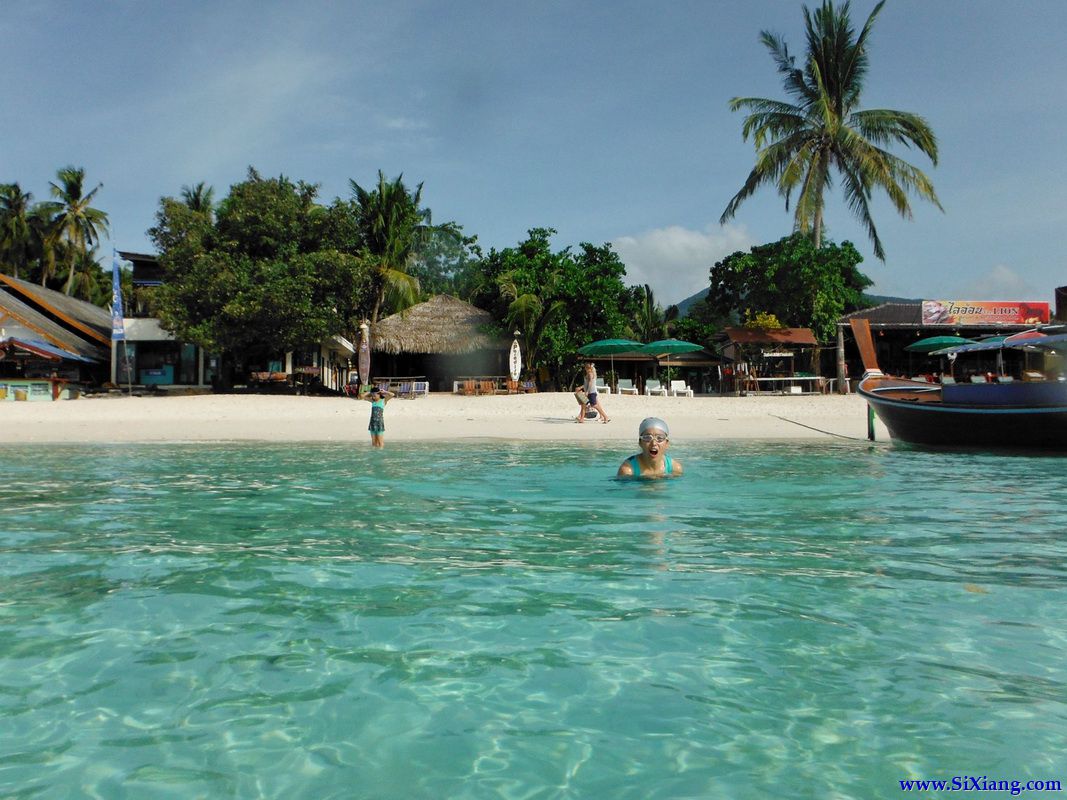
(377, 398)
(591, 393)
(654, 438)
(582, 398)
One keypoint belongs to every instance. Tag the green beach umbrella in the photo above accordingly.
(931, 343)
(668, 347)
(609, 347)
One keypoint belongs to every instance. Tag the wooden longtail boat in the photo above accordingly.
(1015, 414)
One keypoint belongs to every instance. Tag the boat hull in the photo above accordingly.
(919, 415)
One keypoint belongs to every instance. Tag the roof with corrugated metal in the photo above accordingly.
(798, 336)
(904, 314)
(49, 330)
(92, 321)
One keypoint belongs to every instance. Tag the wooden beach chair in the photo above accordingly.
(420, 387)
(529, 387)
(486, 387)
(470, 386)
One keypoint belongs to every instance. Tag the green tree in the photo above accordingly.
(699, 325)
(801, 284)
(90, 282)
(393, 228)
(257, 280)
(44, 243)
(76, 222)
(199, 198)
(446, 257)
(651, 322)
(800, 143)
(558, 299)
(15, 234)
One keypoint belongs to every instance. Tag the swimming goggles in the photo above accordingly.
(659, 438)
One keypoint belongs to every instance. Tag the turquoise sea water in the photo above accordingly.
(505, 620)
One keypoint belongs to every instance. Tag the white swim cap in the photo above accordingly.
(648, 423)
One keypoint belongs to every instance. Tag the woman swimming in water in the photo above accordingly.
(653, 436)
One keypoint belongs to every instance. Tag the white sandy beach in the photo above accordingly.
(544, 416)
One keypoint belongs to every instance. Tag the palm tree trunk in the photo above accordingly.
(377, 305)
(70, 276)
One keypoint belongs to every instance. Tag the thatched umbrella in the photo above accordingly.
(443, 324)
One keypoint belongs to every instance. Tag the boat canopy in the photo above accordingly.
(1042, 342)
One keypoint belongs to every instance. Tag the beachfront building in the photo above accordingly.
(765, 359)
(441, 341)
(896, 325)
(51, 345)
(152, 356)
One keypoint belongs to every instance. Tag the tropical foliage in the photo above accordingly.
(266, 274)
(557, 300)
(75, 223)
(53, 242)
(651, 321)
(801, 143)
(800, 284)
(393, 228)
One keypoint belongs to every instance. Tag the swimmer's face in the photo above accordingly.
(654, 442)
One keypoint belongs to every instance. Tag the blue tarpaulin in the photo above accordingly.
(43, 349)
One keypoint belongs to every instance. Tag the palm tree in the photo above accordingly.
(798, 144)
(651, 322)
(199, 198)
(15, 237)
(393, 228)
(89, 282)
(531, 313)
(44, 240)
(76, 220)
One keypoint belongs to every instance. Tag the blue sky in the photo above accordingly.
(607, 121)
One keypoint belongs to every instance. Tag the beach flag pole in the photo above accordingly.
(118, 323)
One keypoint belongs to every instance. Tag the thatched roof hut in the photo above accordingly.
(443, 324)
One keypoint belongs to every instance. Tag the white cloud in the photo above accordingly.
(400, 123)
(1000, 283)
(675, 261)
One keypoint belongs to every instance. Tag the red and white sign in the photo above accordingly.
(982, 312)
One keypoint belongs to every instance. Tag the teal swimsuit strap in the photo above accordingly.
(635, 465)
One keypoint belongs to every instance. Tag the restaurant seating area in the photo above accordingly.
(479, 385)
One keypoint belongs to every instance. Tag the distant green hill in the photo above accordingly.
(878, 299)
(683, 306)
(874, 299)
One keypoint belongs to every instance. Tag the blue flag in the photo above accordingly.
(118, 326)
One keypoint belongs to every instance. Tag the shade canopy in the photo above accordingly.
(1043, 342)
(666, 347)
(931, 343)
(609, 347)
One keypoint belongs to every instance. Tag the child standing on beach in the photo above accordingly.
(377, 398)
